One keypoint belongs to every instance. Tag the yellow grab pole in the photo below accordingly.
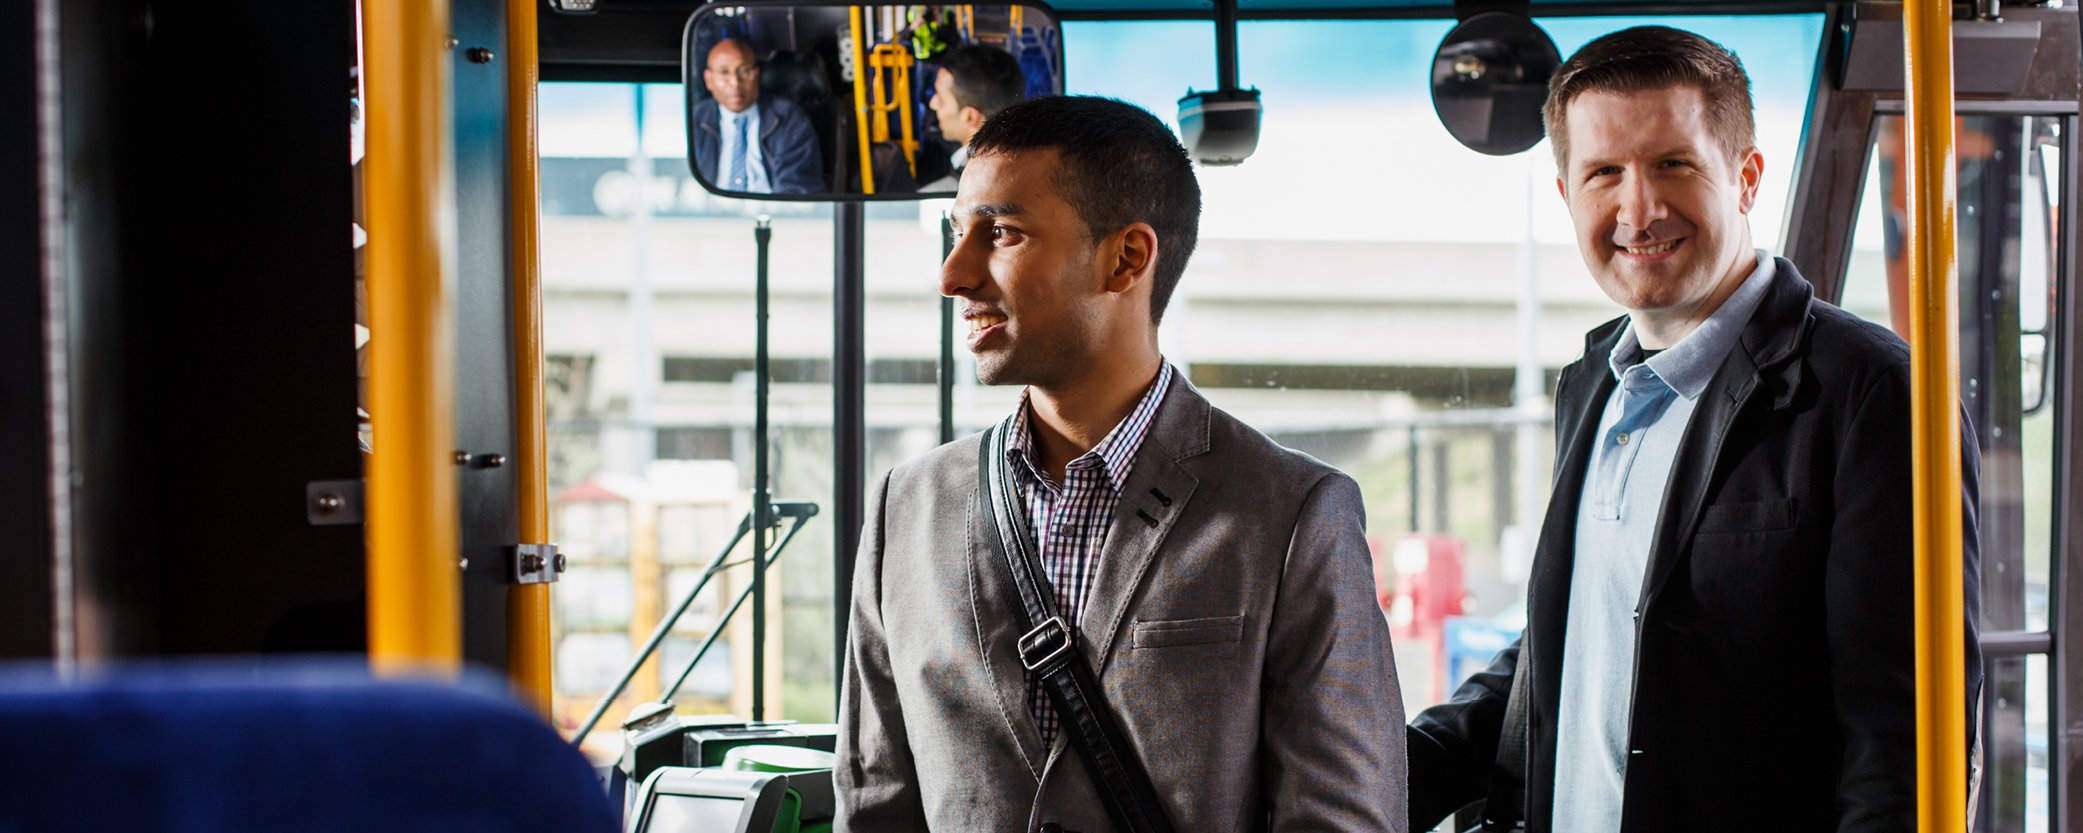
(527, 605)
(861, 70)
(415, 620)
(1935, 425)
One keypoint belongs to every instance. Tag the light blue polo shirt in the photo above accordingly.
(1617, 511)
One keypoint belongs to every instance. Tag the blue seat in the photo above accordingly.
(264, 747)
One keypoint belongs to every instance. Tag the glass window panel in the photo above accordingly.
(701, 614)
(2011, 168)
(593, 597)
(2015, 749)
(589, 662)
(648, 305)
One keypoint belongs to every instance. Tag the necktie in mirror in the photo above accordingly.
(738, 174)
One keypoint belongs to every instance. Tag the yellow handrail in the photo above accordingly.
(415, 619)
(861, 71)
(894, 97)
(1935, 422)
(527, 605)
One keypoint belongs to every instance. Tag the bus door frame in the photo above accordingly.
(1837, 141)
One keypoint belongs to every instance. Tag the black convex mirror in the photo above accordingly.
(1490, 79)
(829, 102)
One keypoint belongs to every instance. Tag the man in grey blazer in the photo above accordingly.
(1218, 584)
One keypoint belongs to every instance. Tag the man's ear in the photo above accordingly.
(1131, 259)
(972, 118)
(1750, 176)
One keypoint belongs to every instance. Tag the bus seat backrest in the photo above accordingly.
(318, 748)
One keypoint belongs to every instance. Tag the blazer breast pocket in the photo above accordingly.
(1219, 633)
(1737, 518)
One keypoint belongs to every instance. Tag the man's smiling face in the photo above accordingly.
(1025, 272)
(1661, 209)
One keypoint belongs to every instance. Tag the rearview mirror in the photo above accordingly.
(830, 102)
(1490, 79)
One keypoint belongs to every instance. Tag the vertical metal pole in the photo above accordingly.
(415, 604)
(762, 499)
(2065, 586)
(51, 210)
(640, 440)
(1411, 454)
(1226, 45)
(849, 411)
(528, 605)
(1935, 428)
(946, 377)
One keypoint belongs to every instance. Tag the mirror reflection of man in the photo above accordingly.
(1218, 585)
(1719, 625)
(973, 84)
(742, 143)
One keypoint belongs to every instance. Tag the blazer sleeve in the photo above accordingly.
(1453, 746)
(1332, 730)
(792, 157)
(876, 779)
(1869, 613)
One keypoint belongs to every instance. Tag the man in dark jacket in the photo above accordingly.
(1719, 620)
(742, 143)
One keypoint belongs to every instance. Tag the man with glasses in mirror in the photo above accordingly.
(1719, 621)
(742, 143)
(1217, 587)
(974, 83)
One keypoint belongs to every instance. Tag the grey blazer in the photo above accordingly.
(1238, 641)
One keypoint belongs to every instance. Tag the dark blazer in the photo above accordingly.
(785, 141)
(1774, 667)
(1231, 622)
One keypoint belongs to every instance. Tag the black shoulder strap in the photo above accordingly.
(1050, 649)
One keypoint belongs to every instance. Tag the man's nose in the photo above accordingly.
(1640, 203)
(964, 269)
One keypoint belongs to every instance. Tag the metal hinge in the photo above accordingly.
(536, 563)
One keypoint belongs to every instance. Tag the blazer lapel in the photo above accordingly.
(1156, 494)
(1771, 340)
(997, 618)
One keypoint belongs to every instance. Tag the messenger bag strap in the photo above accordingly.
(1049, 649)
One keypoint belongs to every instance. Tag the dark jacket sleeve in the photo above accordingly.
(793, 166)
(1453, 746)
(1870, 618)
(707, 143)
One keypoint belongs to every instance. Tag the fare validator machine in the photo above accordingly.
(718, 775)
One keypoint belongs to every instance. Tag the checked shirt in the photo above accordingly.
(1070, 520)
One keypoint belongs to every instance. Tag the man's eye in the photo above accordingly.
(1003, 235)
(1609, 170)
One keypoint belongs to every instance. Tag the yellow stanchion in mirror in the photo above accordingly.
(861, 110)
(1935, 425)
(415, 617)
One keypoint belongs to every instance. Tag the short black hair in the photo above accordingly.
(1121, 165)
(986, 77)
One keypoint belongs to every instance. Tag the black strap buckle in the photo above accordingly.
(1049, 641)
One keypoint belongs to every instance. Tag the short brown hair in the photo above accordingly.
(1655, 58)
